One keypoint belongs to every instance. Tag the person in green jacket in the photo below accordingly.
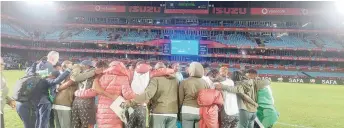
(266, 111)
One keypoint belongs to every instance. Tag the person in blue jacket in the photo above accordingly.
(40, 104)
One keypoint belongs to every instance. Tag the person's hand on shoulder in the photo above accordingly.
(69, 66)
(12, 103)
(218, 86)
(99, 70)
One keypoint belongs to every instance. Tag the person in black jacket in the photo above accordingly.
(36, 112)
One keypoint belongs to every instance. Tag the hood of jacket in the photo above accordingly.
(196, 70)
(117, 68)
(208, 97)
(143, 68)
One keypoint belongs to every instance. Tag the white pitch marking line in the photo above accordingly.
(293, 125)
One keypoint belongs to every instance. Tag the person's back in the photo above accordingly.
(162, 92)
(165, 100)
(266, 112)
(190, 87)
(188, 94)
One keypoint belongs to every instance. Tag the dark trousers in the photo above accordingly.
(51, 119)
(138, 118)
(2, 122)
(26, 114)
(228, 121)
(43, 115)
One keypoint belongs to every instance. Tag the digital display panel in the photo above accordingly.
(184, 47)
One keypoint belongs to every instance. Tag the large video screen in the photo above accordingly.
(184, 47)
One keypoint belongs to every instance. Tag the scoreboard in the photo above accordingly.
(186, 4)
(203, 50)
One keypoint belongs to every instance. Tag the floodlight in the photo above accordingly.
(340, 6)
(39, 2)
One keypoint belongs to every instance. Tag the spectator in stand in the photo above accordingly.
(188, 94)
(4, 99)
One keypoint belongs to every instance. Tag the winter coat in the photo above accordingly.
(142, 74)
(115, 81)
(209, 101)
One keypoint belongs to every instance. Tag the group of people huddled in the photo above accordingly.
(68, 95)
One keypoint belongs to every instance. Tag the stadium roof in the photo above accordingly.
(266, 4)
(246, 4)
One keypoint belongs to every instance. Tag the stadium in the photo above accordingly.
(297, 45)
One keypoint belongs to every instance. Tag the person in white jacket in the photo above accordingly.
(230, 112)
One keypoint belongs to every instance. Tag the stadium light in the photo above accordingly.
(306, 24)
(39, 2)
(340, 6)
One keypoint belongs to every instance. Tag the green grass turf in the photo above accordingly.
(308, 105)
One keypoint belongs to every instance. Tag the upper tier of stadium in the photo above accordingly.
(288, 36)
(229, 38)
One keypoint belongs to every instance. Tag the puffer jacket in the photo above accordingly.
(142, 74)
(209, 101)
(115, 81)
(141, 69)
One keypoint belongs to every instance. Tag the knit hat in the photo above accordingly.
(87, 63)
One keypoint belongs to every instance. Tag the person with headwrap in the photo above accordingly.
(162, 91)
(188, 94)
(140, 81)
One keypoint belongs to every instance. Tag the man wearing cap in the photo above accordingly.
(83, 109)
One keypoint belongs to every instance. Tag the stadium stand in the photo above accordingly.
(237, 39)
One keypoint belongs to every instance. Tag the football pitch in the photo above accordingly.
(299, 105)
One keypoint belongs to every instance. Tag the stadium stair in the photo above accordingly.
(19, 30)
(307, 74)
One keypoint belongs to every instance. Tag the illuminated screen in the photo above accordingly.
(184, 47)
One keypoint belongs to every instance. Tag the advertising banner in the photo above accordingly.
(185, 11)
(229, 11)
(279, 11)
(144, 9)
(186, 7)
(324, 81)
(96, 8)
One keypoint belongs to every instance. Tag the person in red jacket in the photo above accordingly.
(115, 81)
